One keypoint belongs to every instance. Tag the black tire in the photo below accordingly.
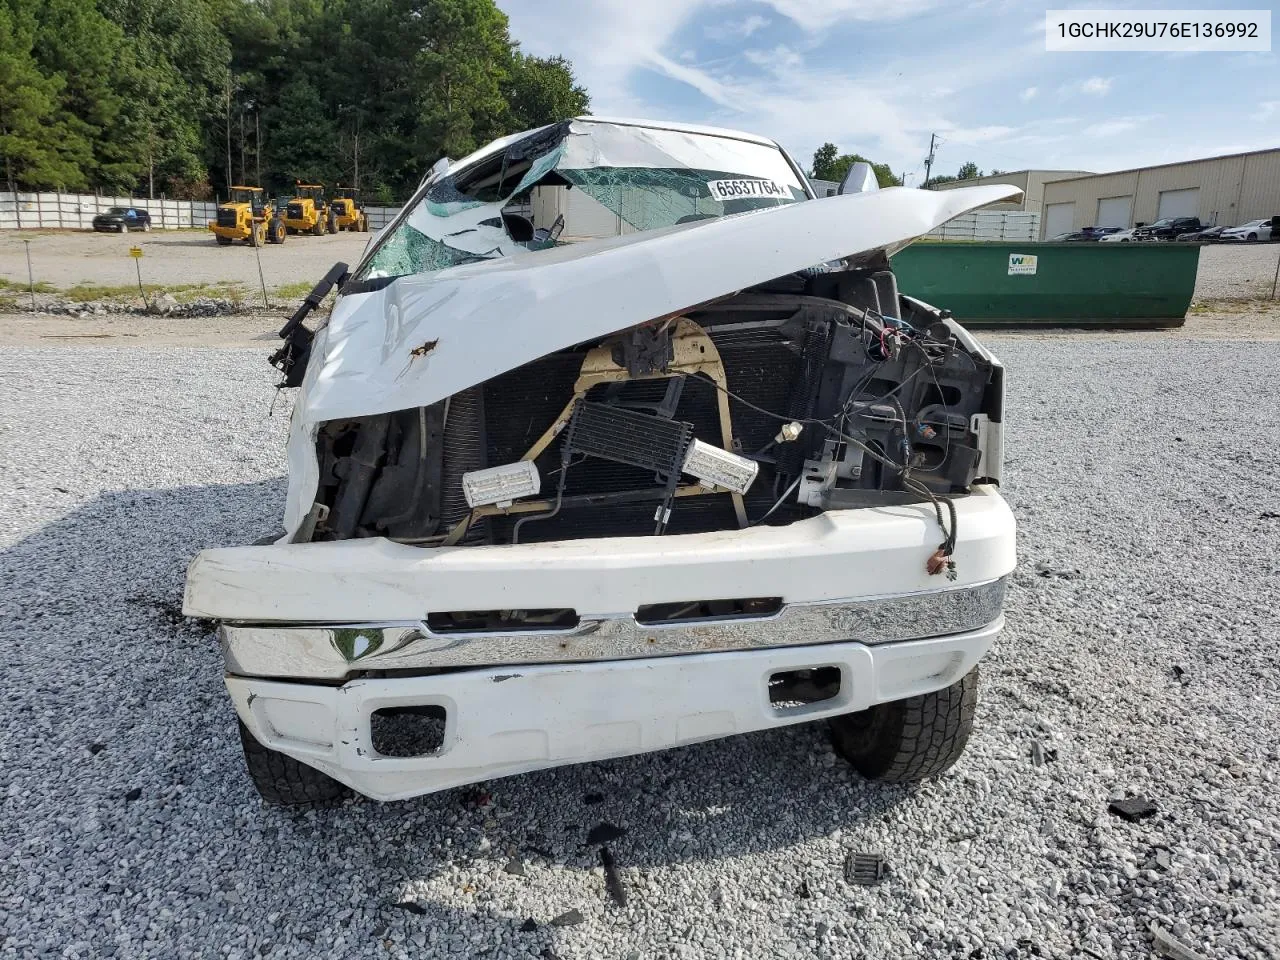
(275, 233)
(222, 241)
(282, 780)
(317, 230)
(909, 739)
(1253, 238)
(331, 222)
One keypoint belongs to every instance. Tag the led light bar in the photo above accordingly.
(719, 468)
(501, 485)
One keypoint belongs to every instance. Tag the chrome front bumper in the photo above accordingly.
(336, 651)
(503, 721)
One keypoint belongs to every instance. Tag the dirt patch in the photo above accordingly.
(42, 330)
(170, 259)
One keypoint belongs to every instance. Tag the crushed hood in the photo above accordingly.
(425, 337)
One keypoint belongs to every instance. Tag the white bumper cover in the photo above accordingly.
(838, 555)
(504, 721)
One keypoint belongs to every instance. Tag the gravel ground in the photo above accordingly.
(169, 257)
(1231, 271)
(130, 830)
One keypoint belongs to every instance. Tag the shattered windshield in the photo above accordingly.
(581, 180)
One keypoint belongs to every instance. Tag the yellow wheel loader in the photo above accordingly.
(247, 216)
(349, 214)
(308, 212)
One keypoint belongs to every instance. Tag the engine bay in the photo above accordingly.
(821, 390)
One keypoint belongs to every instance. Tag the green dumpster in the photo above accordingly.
(1053, 284)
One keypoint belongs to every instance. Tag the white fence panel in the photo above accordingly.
(75, 211)
(990, 225)
(379, 217)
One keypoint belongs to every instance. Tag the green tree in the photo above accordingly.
(830, 164)
(541, 90)
(39, 148)
(968, 171)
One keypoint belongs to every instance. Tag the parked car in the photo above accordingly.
(1120, 236)
(714, 476)
(1207, 235)
(1073, 236)
(1098, 233)
(1248, 232)
(122, 220)
(1168, 228)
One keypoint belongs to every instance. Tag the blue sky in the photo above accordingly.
(878, 78)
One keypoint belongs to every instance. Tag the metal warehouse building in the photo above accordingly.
(1221, 191)
(1030, 182)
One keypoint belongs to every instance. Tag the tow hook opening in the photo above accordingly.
(404, 732)
(791, 690)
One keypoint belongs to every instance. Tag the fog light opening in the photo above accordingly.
(408, 731)
(792, 690)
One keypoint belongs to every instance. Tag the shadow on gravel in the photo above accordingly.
(132, 764)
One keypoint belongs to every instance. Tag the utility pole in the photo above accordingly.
(230, 170)
(928, 161)
(257, 144)
(243, 178)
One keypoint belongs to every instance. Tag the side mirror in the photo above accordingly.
(860, 179)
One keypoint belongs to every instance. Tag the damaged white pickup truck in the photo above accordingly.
(617, 440)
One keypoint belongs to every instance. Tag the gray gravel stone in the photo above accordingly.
(162, 452)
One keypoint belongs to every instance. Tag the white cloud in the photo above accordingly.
(816, 15)
(737, 29)
(1096, 86)
(977, 134)
(1266, 110)
(779, 60)
(1029, 94)
(1114, 127)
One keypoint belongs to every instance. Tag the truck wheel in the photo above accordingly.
(909, 739)
(280, 779)
(222, 241)
(275, 233)
(318, 229)
(331, 223)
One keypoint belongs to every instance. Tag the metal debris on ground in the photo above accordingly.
(1132, 808)
(1057, 573)
(569, 918)
(1167, 945)
(612, 881)
(605, 832)
(865, 869)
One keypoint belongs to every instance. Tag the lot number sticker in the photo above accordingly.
(135, 252)
(733, 189)
(1022, 264)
